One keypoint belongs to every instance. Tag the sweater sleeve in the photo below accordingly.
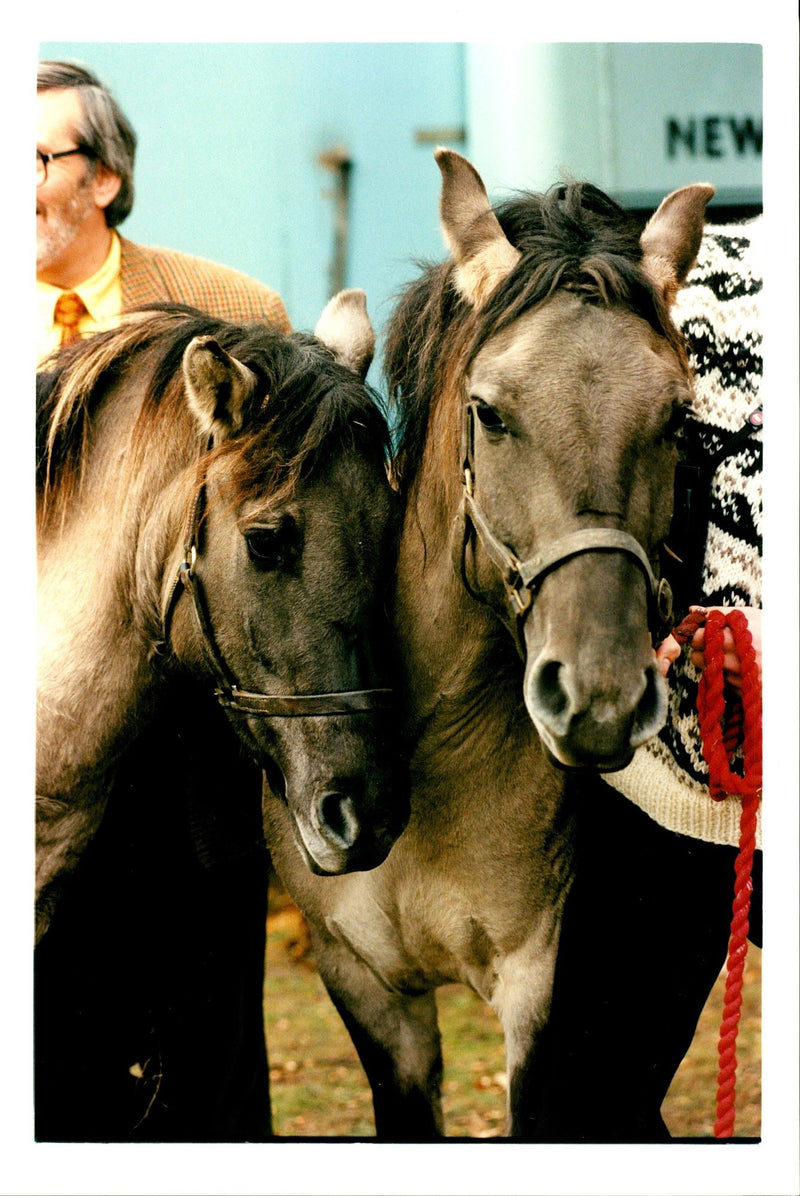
(719, 313)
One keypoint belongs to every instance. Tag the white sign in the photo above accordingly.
(637, 119)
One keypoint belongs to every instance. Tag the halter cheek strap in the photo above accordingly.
(522, 579)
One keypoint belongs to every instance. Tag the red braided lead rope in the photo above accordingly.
(722, 725)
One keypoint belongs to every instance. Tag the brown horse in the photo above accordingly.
(213, 503)
(540, 384)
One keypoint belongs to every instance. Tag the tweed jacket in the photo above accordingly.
(719, 313)
(151, 275)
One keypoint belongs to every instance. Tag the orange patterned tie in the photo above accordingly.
(69, 311)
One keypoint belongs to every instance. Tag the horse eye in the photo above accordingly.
(489, 418)
(676, 422)
(267, 547)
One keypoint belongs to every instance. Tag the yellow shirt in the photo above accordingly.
(102, 297)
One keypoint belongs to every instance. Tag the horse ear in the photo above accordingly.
(218, 387)
(481, 251)
(671, 237)
(345, 327)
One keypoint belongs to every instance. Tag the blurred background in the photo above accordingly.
(310, 166)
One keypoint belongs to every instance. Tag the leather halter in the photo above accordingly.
(228, 692)
(522, 579)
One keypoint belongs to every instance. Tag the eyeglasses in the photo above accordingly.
(42, 160)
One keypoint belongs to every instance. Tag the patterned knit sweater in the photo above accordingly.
(718, 311)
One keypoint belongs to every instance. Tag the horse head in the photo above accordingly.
(289, 535)
(574, 387)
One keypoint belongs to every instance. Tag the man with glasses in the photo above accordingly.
(86, 272)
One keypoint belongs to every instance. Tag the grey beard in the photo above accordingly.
(59, 232)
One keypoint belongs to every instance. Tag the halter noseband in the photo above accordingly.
(228, 693)
(522, 579)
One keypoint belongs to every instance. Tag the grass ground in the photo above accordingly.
(319, 1089)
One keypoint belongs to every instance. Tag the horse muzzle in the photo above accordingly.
(338, 834)
(588, 722)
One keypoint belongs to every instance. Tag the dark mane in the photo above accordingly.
(306, 406)
(574, 237)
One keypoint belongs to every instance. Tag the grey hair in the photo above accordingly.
(104, 129)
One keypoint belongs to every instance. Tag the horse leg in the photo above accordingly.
(62, 834)
(521, 1000)
(396, 1035)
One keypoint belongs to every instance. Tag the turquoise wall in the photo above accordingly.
(229, 138)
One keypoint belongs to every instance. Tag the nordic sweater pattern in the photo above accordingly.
(718, 312)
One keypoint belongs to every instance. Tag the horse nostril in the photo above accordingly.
(651, 713)
(338, 818)
(548, 696)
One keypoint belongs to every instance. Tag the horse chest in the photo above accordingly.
(421, 920)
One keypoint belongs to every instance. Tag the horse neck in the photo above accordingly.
(468, 731)
(450, 642)
(97, 604)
